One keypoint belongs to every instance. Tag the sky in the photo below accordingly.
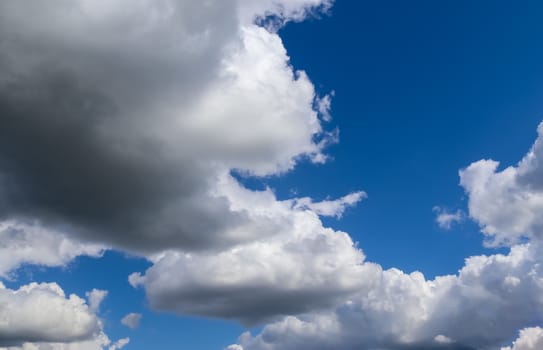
(271, 175)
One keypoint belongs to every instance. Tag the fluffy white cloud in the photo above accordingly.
(508, 204)
(42, 313)
(446, 219)
(529, 339)
(490, 298)
(300, 267)
(41, 317)
(131, 320)
(30, 243)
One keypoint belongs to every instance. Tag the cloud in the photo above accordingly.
(99, 342)
(132, 320)
(446, 219)
(117, 119)
(301, 267)
(120, 124)
(334, 208)
(507, 204)
(490, 298)
(23, 242)
(481, 307)
(41, 317)
(529, 339)
(119, 344)
(95, 298)
(37, 313)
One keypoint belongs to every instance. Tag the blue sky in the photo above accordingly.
(170, 155)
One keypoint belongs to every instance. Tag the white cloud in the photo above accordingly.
(95, 298)
(42, 313)
(41, 317)
(508, 204)
(131, 320)
(30, 243)
(529, 339)
(297, 266)
(334, 208)
(446, 219)
(119, 344)
(324, 106)
(476, 309)
(234, 347)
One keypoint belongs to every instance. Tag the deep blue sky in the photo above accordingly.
(422, 89)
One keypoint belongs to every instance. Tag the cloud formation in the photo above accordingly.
(37, 313)
(508, 203)
(117, 119)
(120, 125)
(95, 298)
(445, 219)
(23, 242)
(302, 267)
(529, 339)
(131, 320)
(481, 307)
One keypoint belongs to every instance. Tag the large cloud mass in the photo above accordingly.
(117, 118)
(490, 298)
(121, 123)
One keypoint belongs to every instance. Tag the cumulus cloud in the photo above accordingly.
(529, 339)
(41, 317)
(481, 307)
(489, 299)
(37, 313)
(508, 203)
(24, 242)
(303, 266)
(117, 118)
(445, 219)
(131, 320)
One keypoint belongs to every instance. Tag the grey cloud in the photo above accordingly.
(116, 119)
(480, 308)
(57, 164)
(303, 267)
